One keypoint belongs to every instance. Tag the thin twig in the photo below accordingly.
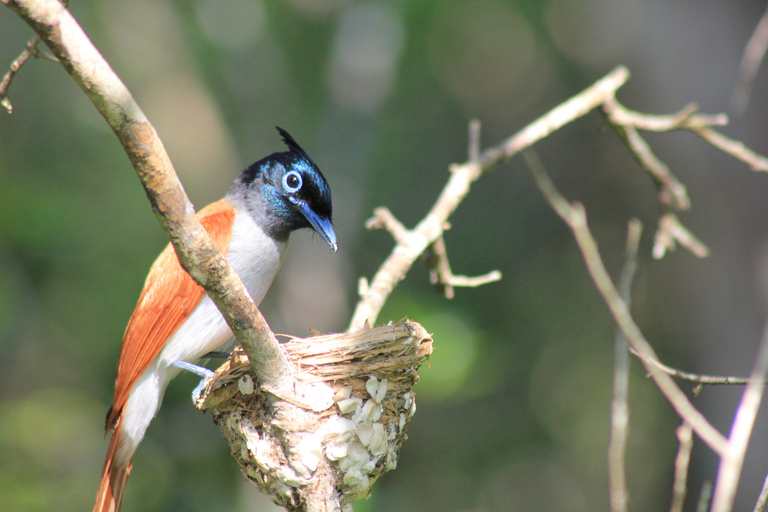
(734, 148)
(732, 460)
(15, 67)
(683, 459)
(685, 119)
(413, 244)
(473, 151)
(383, 219)
(704, 496)
(575, 217)
(435, 258)
(760, 505)
(671, 191)
(619, 495)
(750, 63)
(693, 377)
(670, 233)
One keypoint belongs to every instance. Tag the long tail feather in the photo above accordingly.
(114, 478)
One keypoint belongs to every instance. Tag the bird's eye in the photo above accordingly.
(292, 182)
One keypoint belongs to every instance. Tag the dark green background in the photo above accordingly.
(513, 413)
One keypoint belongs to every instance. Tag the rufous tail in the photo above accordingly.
(113, 478)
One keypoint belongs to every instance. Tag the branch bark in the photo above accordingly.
(196, 251)
(410, 244)
(575, 217)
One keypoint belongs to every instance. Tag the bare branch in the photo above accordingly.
(575, 217)
(750, 63)
(683, 459)
(734, 148)
(383, 219)
(15, 67)
(196, 251)
(732, 459)
(435, 258)
(692, 377)
(672, 232)
(619, 407)
(685, 119)
(415, 241)
(704, 496)
(760, 505)
(474, 140)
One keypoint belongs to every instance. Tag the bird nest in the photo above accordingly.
(321, 446)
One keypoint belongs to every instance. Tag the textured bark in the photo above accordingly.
(321, 447)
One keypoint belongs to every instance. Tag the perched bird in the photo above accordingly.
(175, 322)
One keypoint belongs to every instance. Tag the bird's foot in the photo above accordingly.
(203, 372)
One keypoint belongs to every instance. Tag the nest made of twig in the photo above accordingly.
(366, 382)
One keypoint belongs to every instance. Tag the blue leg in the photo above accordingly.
(204, 374)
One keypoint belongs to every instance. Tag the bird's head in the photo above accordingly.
(285, 192)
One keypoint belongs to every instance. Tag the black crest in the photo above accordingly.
(292, 144)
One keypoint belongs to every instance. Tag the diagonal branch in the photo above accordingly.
(413, 243)
(196, 251)
(575, 217)
(750, 63)
(670, 233)
(15, 67)
(732, 459)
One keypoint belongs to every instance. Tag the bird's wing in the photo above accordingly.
(169, 297)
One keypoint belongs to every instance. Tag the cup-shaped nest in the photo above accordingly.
(322, 445)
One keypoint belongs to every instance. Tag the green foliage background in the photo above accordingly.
(513, 409)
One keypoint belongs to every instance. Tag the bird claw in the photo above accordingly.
(201, 371)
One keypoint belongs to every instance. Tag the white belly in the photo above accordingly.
(256, 258)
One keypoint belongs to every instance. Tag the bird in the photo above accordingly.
(175, 323)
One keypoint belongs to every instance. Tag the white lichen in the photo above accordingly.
(308, 453)
(372, 385)
(349, 405)
(245, 384)
(365, 433)
(336, 451)
(378, 441)
(342, 394)
(319, 396)
(381, 392)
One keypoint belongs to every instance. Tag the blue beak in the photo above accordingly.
(319, 224)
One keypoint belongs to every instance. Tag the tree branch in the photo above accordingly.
(732, 458)
(410, 244)
(619, 406)
(761, 500)
(575, 217)
(196, 251)
(682, 461)
(750, 63)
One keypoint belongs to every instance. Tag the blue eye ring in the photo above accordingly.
(292, 182)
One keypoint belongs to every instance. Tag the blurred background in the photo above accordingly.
(513, 412)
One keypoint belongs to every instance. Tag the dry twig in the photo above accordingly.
(575, 217)
(683, 459)
(732, 459)
(760, 505)
(750, 63)
(410, 244)
(619, 495)
(324, 453)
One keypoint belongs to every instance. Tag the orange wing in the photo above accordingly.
(169, 297)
